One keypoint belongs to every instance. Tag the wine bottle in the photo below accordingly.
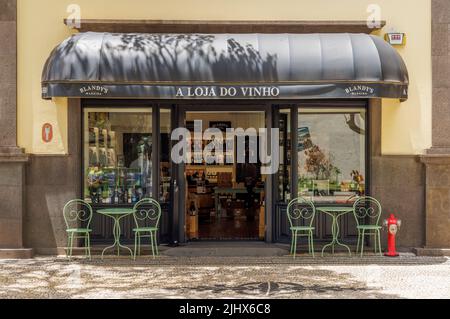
(111, 195)
(116, 196)
(134, 199)
(104, 195)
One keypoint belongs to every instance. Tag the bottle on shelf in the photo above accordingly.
(111, 195)
(105, 196)
(122, 177)
(140, 194)
(130, 196)
(122, 191)
(133, 196)
(116, 196)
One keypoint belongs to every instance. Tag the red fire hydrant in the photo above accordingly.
(393, 224)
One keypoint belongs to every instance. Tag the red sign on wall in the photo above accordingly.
(47, 133)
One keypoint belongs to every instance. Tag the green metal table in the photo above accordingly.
(335, 212)
(117, 214)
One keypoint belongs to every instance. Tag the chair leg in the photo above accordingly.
(153, 244)
(88, 243)
(85, 246)
(139, 244)
(359, 238)
(312, 243)
(71, 246)
(309, 244)
(135, 244)
(292, 243)
(375, 239)
(68, 246)
(156, 243)
(362, 242)
(295, 244)
(379, 242)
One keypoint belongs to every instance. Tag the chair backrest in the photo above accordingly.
(147, 213)
(301, 212)
(77, 213)
(367, 211)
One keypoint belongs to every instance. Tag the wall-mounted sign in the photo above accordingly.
(395, 38)
(228, 92)
(313, 90)
(47, 133)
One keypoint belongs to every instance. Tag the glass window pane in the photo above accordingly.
(331, 154)
(117, 155)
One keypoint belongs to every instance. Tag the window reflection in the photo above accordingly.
(118, 156)
(331, 154)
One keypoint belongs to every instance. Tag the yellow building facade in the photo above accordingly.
(406, 126)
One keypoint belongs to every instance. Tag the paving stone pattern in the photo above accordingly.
(216, 277)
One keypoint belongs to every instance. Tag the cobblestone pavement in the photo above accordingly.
(215, 277)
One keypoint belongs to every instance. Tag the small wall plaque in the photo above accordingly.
(47, 133)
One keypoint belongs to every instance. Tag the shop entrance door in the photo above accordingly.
(221, 198)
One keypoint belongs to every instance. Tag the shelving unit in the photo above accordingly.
(198, 156)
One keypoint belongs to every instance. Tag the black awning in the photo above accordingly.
(244, 66)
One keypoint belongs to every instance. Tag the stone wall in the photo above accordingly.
(437, 159)
(398, 182)
(51, 183)
(12, 158)
(8, 74)
(441, 75)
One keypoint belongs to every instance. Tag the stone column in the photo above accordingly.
(437, 159)
(12, 158)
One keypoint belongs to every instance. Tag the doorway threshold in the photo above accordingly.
(227, 249)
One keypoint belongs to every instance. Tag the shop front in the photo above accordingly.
(316, 97)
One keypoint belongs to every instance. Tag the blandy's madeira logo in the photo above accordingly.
(360, 90)
(94, 90)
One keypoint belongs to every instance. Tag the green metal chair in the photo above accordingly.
(146, 216)
(367, 211)
(301, 213)
(77, 216)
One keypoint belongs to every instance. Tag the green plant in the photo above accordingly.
(318, 164)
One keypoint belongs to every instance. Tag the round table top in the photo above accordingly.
(335, 209)
(116, 211)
